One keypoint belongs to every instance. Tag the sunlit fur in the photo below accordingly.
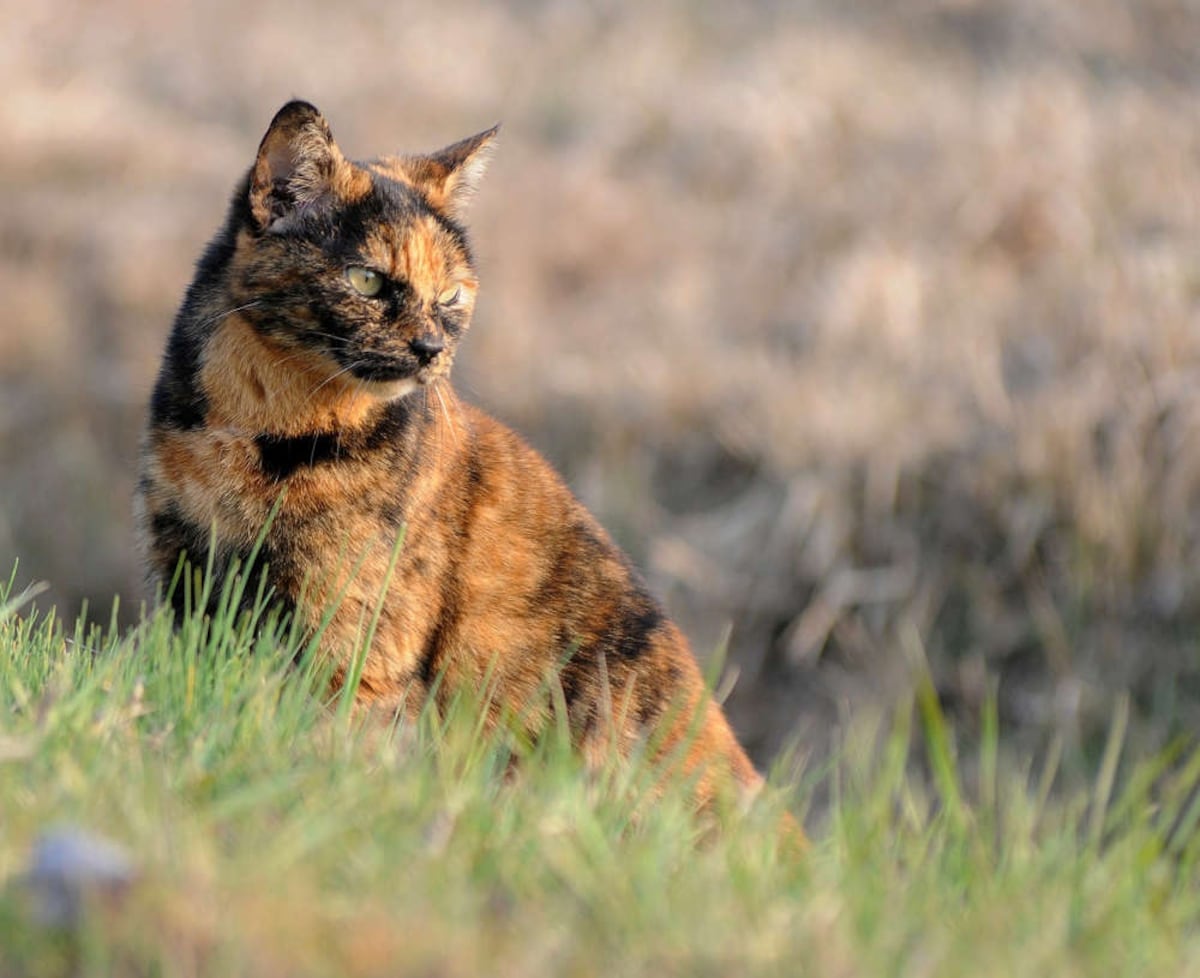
(281, 378)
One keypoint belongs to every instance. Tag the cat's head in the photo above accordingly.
(362, 268)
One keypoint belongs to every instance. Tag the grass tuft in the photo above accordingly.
(274, 835)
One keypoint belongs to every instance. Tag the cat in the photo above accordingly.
(305, 388)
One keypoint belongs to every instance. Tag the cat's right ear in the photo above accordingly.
(295, 169)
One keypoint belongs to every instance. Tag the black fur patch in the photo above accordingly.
(432, 653)
(280, 456)
(252, 572)
(173, 534)
(630, 635)
(176, 401)
(176, 537)
(574, 677)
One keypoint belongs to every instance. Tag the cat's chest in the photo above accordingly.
(235, 484)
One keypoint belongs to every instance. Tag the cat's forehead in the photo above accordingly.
(413, 251)
(394, 229)
(408, 242)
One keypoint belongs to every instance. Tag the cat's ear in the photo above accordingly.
(449, 177)
(297, 165)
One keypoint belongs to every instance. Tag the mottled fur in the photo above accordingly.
(280, 377)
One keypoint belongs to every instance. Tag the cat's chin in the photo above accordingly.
(391, 390)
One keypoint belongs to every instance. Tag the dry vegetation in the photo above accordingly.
(847, 319)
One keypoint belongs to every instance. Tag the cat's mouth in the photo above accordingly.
(393, 376)
(382, 370)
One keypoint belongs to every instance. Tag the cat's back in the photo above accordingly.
(533, 569)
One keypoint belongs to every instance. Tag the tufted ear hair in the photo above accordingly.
(296, 167)
(449, 177)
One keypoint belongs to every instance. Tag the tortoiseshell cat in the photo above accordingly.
(311, 356)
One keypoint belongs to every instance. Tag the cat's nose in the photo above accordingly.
(426, 347)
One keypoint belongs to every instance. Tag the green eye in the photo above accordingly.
(364, 281)
(450, 297)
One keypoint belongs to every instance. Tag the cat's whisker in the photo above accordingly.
(344, 340)
(213, 320)
(425, 410)
(437, 389)
(359, 389)
(332, 377)
(298, 355)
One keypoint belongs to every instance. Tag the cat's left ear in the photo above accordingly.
(449, 177)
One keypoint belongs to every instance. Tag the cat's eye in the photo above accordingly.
(364, 281)
(450, 297)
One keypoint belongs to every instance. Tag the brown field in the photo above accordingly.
(851, 321)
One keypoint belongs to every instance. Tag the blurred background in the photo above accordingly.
(858, 324)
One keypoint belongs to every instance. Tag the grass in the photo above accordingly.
(275, 835)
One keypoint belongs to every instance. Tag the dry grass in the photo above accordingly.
(843, 319)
